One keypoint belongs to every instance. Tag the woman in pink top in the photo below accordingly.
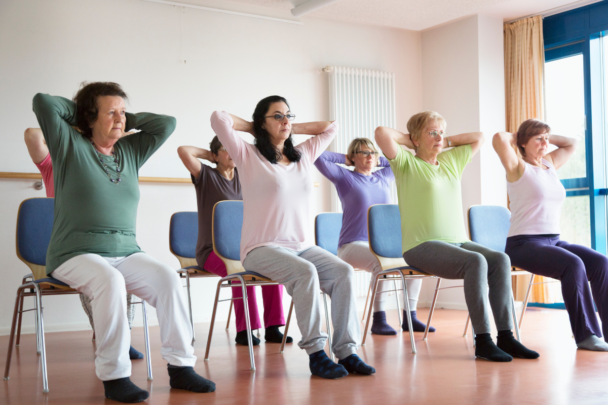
(533, 242)
(276, 241)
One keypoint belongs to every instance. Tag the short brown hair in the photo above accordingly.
(529, 129)
(420, 121)
(86, 103)
(356, 144)
(215, 145)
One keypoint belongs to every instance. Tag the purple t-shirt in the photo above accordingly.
(211, 187)
(357, 193)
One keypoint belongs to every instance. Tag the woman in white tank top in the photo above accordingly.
(536, 195)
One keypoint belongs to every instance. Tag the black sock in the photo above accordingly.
(185, 378)
(354, 364)
(508, 344)
(416, 324)
(322, 366)
(123, 390)
(134, 354)
(241, 338)
(487, 350)
(380, 326)
(274, 335)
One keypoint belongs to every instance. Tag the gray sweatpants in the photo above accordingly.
(304, 274)
(480, 268)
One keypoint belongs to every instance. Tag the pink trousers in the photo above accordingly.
(271, 294)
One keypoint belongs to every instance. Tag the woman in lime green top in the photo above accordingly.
(434, 237)
(93, 246)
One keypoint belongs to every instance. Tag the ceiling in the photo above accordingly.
(410, 14)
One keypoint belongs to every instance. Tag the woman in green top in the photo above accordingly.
(434, 237)
(93, 247)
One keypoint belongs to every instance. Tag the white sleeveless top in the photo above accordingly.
(536, 201)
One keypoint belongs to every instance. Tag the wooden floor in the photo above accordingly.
(443, 371)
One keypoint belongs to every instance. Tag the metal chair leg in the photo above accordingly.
(249, 337)
(45, 380)
(147, 339)
(190, 306)
(217, 296)
(20, 314)
(9, 353)
(515, 318)
(37, 326)
(523, 310)
(408, 314)
(369, 290)
(328, 327)
(286, 327)
(369, 311)
(397, 298)
(229, 313)
(466, 325)
(432, 310)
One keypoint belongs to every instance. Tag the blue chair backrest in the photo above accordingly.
(183, 233)
(327, 231)
(489, 226)
(384, 228)
(227, 226)
(34, 228)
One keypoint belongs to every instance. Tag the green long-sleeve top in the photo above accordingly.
(92, 214)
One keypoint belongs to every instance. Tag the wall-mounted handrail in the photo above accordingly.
(37, 176)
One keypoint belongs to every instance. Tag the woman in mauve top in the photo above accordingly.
(276, 239)
(93, 246)
(432, 225)
(536, 195)
(358, 190)
(219, 184)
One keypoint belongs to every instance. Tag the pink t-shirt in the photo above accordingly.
(536, 201)
(46, 169)
(276, 198)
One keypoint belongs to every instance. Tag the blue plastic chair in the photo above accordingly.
(327, 231)
(183, 235)
(34, 228)
(384, 231)
(489, 226)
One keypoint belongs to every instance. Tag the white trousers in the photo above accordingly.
(358, 255)
(106, 280)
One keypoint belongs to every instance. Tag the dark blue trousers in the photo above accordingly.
(573, 265)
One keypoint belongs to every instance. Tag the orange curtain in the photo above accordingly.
(524, 64)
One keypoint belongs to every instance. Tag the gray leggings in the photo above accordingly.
(88, 309)
(304, 274)
(480, 268)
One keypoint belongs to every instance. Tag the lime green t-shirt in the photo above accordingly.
(430, 200)
(92, 214)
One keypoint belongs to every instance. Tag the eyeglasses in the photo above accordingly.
(280, 117)
(435, 134)
(367, 153)
(222, 150)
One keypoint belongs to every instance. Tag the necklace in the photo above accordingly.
(105, 167)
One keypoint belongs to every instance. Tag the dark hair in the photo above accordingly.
(86, 103)
(262, 137)
(215, 145)
(529, 129)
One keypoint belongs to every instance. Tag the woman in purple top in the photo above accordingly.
(358, 190)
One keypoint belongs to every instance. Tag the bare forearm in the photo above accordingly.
(399, 137)
(467, 138)
(310, 128)
(198, 153)
(562, 141)
(241, 124)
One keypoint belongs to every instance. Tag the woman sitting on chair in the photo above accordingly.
(358, 190)
(93, 246)
(434, 237)
(276, 240)
(533, 242)
(219, 184)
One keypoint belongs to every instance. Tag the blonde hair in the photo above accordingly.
(356, 145)
(418, 123)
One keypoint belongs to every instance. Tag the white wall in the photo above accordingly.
(176, 61)
(463, 80)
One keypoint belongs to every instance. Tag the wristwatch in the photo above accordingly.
(447, 138)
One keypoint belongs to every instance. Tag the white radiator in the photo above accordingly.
(360, 100)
